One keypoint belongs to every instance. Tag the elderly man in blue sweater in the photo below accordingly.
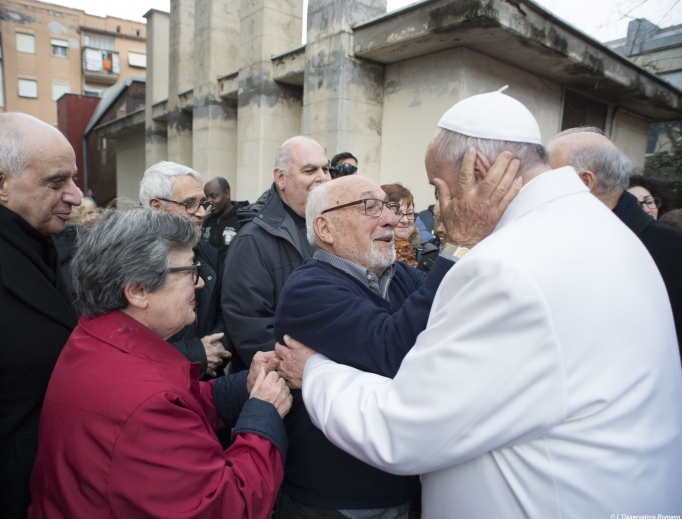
(356, 304)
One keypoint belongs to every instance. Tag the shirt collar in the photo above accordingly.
(378, 285)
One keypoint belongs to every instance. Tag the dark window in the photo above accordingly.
(580, 110)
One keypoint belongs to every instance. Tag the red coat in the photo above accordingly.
(127, 431)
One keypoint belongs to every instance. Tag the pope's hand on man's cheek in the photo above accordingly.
(292, 359)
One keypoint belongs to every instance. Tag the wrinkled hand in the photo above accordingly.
(270, 387)
(215, 353)
(292, 359)
(473, 214)
(262, 359)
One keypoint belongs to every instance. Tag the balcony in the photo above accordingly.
(101, 66)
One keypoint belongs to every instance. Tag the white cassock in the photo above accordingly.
(547, 383)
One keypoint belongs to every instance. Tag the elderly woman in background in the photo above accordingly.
(408, 246)
(127, 429)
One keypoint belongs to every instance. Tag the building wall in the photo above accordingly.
(130, 166)
(73, 114)
(418, 91)
(46, 22)
(629, 133)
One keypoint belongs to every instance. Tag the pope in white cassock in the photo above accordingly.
(547, 383)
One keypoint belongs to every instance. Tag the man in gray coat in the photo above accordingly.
(270, 245)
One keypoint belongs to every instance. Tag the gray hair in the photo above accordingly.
(578, 129)
(283, 159)
(450, 148)
(158, 181)
(126, 247)
(319, 199)
(609, 164)
(15, 154)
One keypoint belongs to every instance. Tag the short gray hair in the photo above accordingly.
(126, 247)
(158, 181)
(283, 159)
(15, 154)
(450, 148)
(609, 164)
(319, 199)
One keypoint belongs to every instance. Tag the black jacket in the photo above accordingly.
(36, 319)
(664, 243)
(266, 250)
(209, 319)
(220, 232)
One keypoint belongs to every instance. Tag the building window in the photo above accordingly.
(93, 91)
(59, 89)
(59, 47)
(26, 43)
(100, 42)
(580, 110)
(101, 61)
(136, 59)
(28, 88)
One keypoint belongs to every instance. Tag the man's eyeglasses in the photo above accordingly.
(652, 202)
(373, 207)
(195, 268)
(193, 205)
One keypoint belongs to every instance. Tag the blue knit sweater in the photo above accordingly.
(335, 314)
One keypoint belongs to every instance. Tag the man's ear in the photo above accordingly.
(589, 179)
(227, 194)
(136, 295)
(155, 203)
(482, 166)
(4, 192)
(324, 229)
(279, 179)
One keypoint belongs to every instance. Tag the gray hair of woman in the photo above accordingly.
(126, 247)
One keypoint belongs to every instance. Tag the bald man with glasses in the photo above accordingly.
(177, 189)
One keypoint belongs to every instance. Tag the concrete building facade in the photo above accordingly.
(228, 81)
(49, 50)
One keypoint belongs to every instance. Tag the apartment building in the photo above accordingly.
(48, 50)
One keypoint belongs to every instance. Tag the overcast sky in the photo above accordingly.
(604, 19)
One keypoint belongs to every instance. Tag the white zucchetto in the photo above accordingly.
(493, 116)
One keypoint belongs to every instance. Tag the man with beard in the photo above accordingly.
(357, 305)
(221, 224)
(270, 245)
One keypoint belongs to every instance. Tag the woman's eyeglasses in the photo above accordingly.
(652, 202)
(194, 268)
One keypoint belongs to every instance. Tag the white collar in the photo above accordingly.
(544, 188)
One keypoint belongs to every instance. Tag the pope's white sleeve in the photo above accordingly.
(485, 374)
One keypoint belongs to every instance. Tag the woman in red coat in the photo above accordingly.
(127, 429)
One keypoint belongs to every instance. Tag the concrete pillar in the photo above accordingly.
(343, 96)
(180, 80)
(269, 112)
(156, 139)
(214, 124)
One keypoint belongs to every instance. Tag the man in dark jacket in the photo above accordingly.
(221, 225)
(270, 245)
(605, 170)
(37, 192)
(354, 303)
(175, 188)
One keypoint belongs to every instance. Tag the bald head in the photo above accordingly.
(20, 136)
(350, 232)
(37, 167)
(300, 165)
(600, 164)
